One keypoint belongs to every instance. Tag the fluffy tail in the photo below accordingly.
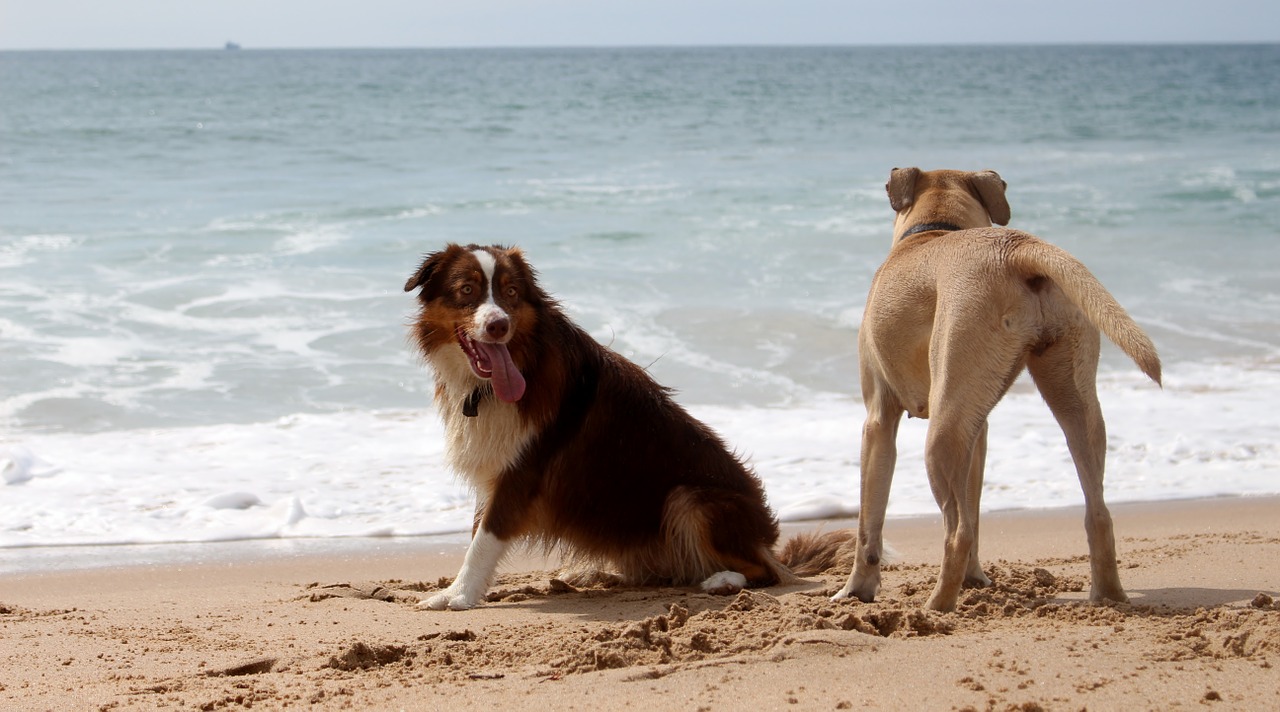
(812, 553)
(1034, 257)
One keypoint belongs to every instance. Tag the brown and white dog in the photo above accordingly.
(570, 445)
(955, 313)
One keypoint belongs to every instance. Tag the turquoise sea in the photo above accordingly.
(202, 328)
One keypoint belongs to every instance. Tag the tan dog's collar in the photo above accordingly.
(930, 227)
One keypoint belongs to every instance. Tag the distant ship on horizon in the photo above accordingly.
(232, 45)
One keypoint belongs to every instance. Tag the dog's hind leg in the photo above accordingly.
(1065, 377)
(878, 459)
(714, 536)
(963, 392)
(974, 576)
(949, 451)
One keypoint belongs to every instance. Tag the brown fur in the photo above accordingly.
(813, 553)
(595, 458)
(951, 320)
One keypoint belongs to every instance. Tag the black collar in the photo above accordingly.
(471, 406)
(930, 227)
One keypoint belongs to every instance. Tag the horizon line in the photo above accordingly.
(239, 47)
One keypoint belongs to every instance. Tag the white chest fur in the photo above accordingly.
(479, 448)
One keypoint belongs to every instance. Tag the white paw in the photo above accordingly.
(724, 583)
(437, 602)
(449, 599)
(841, 594)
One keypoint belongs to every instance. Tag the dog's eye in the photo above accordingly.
(512, 292)
(466, 290)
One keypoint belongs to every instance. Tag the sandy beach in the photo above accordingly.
(342, 632)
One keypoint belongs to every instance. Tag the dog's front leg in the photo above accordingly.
(483, 555)
(879, 457)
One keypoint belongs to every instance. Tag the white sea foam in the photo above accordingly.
(309, 240)
(1210, 432)
(18, 251)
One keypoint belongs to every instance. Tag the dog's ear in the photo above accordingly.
(430, 264)
(902, 188)
(990, 188)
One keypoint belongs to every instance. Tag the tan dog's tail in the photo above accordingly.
(1035, 258)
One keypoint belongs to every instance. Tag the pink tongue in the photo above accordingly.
(508, 382)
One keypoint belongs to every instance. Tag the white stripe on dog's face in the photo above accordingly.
(489, 311)
(487, 265)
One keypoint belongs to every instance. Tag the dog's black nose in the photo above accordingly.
(497, 328)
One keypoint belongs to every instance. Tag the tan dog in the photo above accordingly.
(955, 313)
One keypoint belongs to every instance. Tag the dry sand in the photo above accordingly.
(341, 632)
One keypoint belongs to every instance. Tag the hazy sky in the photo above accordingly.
(112, 24)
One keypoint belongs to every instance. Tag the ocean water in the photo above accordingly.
(203, 332)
